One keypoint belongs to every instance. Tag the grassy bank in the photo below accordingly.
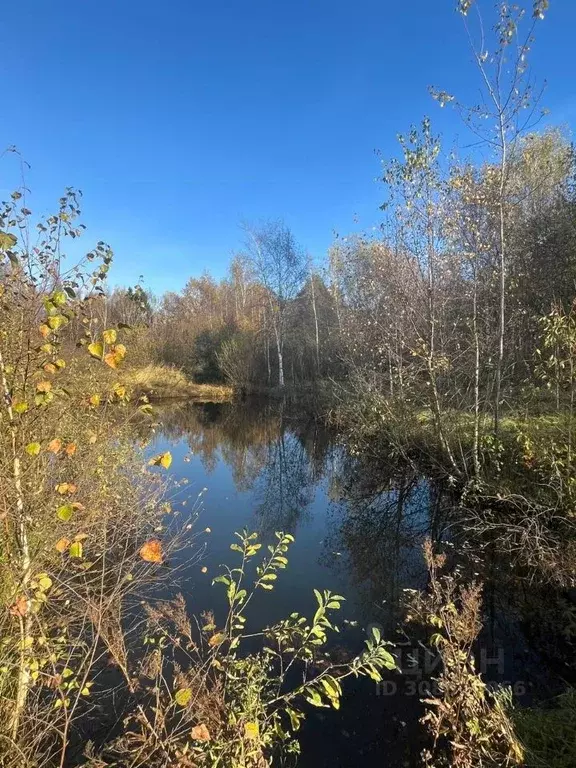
(160, 382)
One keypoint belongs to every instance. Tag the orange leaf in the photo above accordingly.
(66, 488)
(55, 445)
(71, 449)
(200, 733)
(44, 330)
(151, 551)
(20, 607)
(63, 544)
(44, 386)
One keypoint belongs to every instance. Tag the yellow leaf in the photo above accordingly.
(66, 488)
(183, 697)
(217, 639)
(251, 730)
(57, 321)
(33, 449)
(94, 400)
(96, 349)
(20, 407)
(109, 336)
(162, 460)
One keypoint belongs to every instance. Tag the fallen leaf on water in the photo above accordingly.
(151, 551)
(163, 460)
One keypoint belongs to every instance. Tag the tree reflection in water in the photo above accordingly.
(380, 512)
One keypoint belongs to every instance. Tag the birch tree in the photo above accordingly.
(280, 265)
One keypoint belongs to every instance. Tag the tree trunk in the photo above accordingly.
(23, 674)
(476, 446)
(316, 331)
(502, 308)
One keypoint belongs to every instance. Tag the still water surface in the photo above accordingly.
(359, 524)
(358, 531)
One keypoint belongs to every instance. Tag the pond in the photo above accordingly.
(358, 524)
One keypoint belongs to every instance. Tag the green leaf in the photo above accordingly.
(44, 582)
(376, 635)
(76, 549)
(56, 321)
(183, 697)
(59, 298)
(7, 241)
(295, 718)
(221, 580)
(314, 698)
(65, 512)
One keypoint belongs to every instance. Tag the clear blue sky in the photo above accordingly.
(178, 119)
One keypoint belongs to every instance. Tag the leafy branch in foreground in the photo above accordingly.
(220, 695)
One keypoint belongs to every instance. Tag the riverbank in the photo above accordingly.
(161, 382)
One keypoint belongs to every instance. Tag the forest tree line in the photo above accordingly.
(412, 313)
